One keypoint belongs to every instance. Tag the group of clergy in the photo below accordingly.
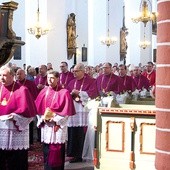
(57, 100)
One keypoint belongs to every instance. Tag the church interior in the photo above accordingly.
(92, 32)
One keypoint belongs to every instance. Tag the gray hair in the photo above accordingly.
(10, 69)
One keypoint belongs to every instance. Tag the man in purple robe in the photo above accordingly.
(41, 79)
(107, 82)
(150, 73)
(41, 82)
(126, 83)
(65, 75)
(140, 80)
(17, 109)
(54, 106)
(81, 88)
(22, 81)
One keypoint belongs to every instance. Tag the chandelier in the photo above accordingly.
(38, 30)
(108, 40)
(144, 44)
(146, 13)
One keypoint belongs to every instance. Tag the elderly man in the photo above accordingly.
(41, 79)
(81, 88)
(108, 81)
(17, 110)
(31, 73)
(21, 80)
(54, 105)
(65, 75)
(41, 82)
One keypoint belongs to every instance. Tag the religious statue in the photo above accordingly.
(71, 36)
(123, 42)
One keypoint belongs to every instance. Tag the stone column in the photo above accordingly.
(162, 161)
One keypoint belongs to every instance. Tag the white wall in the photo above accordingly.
(135, 54)
(37, 48)
(91, 22)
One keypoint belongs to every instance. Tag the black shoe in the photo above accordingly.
(75, 160)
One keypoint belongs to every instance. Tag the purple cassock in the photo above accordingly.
(78, 123)
(41, 80)
(141, 82)
(107, 83)
(87, 84)
(59, 101)
(30, 85)
(19, 102)
(15, 101)
(65, 78)
(126, 84)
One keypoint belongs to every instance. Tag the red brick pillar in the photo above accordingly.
(162, 161)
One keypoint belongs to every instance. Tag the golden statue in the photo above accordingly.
(71, 36)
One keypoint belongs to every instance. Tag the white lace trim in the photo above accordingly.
(79, 119)
(11, 138)
(84, 97)
(21, 121)
(48, 135)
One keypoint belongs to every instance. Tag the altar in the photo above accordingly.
(125, 137)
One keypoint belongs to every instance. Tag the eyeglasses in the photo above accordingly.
(75, 71)
(105, 67)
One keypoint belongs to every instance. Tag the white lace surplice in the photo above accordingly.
(12, 137)
(81, 116)
(48, 135)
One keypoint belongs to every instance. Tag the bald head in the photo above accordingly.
(80, 66)
(20, 74)
(79, 71)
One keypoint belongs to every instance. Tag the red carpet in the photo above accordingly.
(35, 157)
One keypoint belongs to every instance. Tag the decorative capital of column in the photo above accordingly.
(10, 5)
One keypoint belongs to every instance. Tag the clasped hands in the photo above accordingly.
(51, 123)
(75, 95)
(40, 86)
(75, 92)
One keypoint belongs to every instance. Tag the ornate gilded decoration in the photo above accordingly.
(110, 136)
(9, 7)
(8, 41)
(127, 111)
(132, 124)
(48, 114)
(123, 42)
(147, 147)
(71, 36)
